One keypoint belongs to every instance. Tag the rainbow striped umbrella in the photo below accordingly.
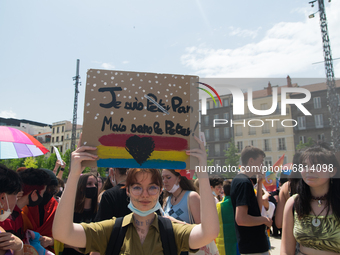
(15, 143)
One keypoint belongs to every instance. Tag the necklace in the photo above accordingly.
(319, 199)
(316, 222)
(176, 197)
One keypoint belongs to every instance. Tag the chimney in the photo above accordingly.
(269, 89)
(289, 81)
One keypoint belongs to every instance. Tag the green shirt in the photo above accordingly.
(98, 235)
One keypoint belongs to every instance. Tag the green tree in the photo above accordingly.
(30, 162)
(302, 146)
(13, 164)
(233, 159)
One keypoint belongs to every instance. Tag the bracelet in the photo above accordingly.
(62, 169)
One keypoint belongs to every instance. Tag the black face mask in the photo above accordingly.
(34, 203)
(91, 192)
(46, 198)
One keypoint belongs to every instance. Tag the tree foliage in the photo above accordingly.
(302, 146)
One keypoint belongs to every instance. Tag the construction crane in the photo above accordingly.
(75, 108)
(332, 97)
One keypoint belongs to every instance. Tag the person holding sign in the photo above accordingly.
(144, 229)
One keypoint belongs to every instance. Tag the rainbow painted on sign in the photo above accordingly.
(142, 151)
(213, 90)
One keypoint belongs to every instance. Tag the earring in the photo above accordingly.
(128, 199)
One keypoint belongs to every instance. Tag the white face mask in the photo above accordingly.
(174, 188)
(5, 214)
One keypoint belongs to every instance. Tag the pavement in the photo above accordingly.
(275, 243)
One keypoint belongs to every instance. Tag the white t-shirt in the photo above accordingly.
(270, 212)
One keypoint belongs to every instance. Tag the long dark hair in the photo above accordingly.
(80, 195)
(319, 155)
(184, 183)
(295, 176)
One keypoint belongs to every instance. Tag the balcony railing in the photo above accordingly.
(252, 132)
(251, 115)
(267, 149)
(280, 129)
(282, 148)
(265, 131)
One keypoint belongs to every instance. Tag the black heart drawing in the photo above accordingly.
(140, 148)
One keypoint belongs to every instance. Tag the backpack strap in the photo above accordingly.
(167, 236)
(117, 238)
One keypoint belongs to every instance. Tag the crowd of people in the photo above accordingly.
(160, 211)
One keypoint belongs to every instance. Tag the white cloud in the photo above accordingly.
(107, 66)
(126, 62)
(8, 114)
(243, 32)
(286, 48)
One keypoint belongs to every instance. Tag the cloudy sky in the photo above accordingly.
(41, 41)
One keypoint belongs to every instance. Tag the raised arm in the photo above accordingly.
(208, 230)
(64, 230)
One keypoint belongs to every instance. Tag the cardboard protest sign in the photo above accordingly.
(141, 120)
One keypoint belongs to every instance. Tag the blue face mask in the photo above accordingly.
(214, 193)
(144, 213)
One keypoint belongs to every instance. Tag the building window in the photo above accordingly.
(266, 143)
(238, 130)
(78, 135)
(57, 130)
(317, 102)
(318, 120)
(61, 149)
(282, 144)
(226, 146)
(62, 129)
(216, 105)
(252, 143)
(239, 146)
(301, 122)
(264, 106)
(265, 128)
(252, 131)
(226, 102)
(206, 133)
(62, 138)
(226, 116)
(226, 132)
(67, 136)
(66, 146)
(268, 161)
(217, 149)
(280, 128)
(208, 105)
(217, 162)
(217, 134)
(53, 130)
(302, 139)
(216, 116)
(57, 139)
(206, 120)
(52, 139)
(321, 137)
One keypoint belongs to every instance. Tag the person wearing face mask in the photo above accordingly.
(143, 230)
(34, 183)
(180, 196)
(10, 185)
(85, 207)
(114, 201)
(40, 218)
